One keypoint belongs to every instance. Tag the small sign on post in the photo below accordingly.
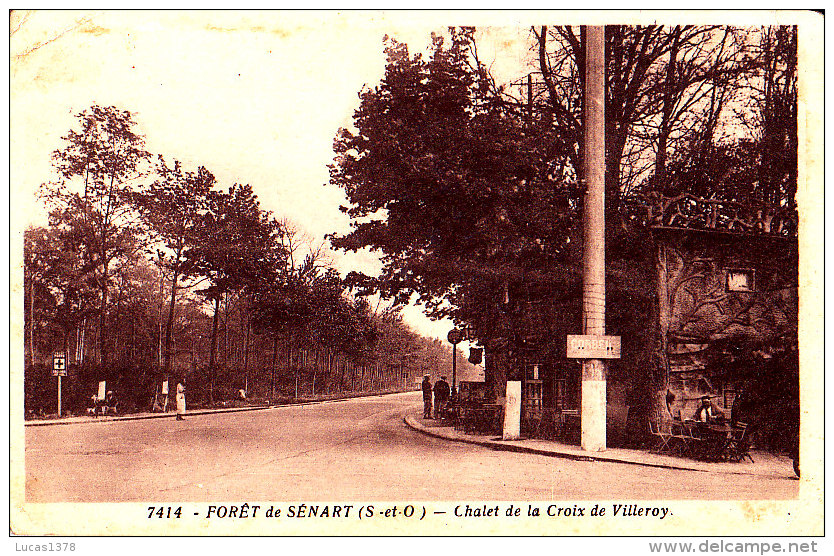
(59, 369)
(59, 364)
(455, 336)
(593, 347)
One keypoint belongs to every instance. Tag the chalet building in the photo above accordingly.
(710, 309)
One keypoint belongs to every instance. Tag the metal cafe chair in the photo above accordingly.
(671, 436)
(739, 446)
(690, 439)
(662, 437)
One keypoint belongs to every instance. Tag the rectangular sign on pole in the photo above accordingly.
(59, 369)
(59, 364)
(593, 347)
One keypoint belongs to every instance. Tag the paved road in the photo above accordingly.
(351, 450)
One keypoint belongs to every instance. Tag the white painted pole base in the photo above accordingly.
(593, 415)
(512, 411)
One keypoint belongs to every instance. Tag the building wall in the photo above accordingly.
(718, 331)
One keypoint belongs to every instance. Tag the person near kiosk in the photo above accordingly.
(426, 386)
(441, 396)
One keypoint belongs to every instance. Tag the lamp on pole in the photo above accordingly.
(455, 336)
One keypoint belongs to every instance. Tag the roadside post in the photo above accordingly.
(512, 411)
(59, 369)
(165, 393)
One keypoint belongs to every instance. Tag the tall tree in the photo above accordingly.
(237, 250)
(173, 207)
(457, 193)
(657, 79)
(775, 97)
(57, 290)
(751, 166)
(98, 168)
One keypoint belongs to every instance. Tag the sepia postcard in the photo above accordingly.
(416, 273)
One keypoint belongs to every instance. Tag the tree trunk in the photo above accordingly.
(497, 367)
(132, 351)
(666, 121)
(213, 348)
(246, 338)
(102, 323)
(169, 323)
(159, 355)
(102, 326)
(79, 341)
(226, 329)
(289, 361)
(31, 323)
(660, 351)
(272, 367)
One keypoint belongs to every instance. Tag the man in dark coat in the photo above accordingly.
(426, 397)
(441, 396)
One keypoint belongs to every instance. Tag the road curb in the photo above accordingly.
(499, 445)
(172, 415)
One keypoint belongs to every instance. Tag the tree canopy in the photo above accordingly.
(471, 190)
(457, 194)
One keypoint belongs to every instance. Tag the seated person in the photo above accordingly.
(93, 406)
(111, 404)
(708, 412)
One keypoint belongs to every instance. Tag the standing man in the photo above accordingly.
(426, 397)
(180, 399)
(441, 396)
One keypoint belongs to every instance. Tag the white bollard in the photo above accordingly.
(512, 411)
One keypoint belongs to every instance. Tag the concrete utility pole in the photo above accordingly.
(593, 291)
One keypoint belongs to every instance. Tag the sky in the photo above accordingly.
(256, 97)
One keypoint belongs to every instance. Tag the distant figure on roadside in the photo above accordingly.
(426, 385)
(708, 412)
(111, 403)
(95, 404)
(241, 395)
(180, 400)
(441, 396)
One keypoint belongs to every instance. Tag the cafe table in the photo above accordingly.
(716, 438)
